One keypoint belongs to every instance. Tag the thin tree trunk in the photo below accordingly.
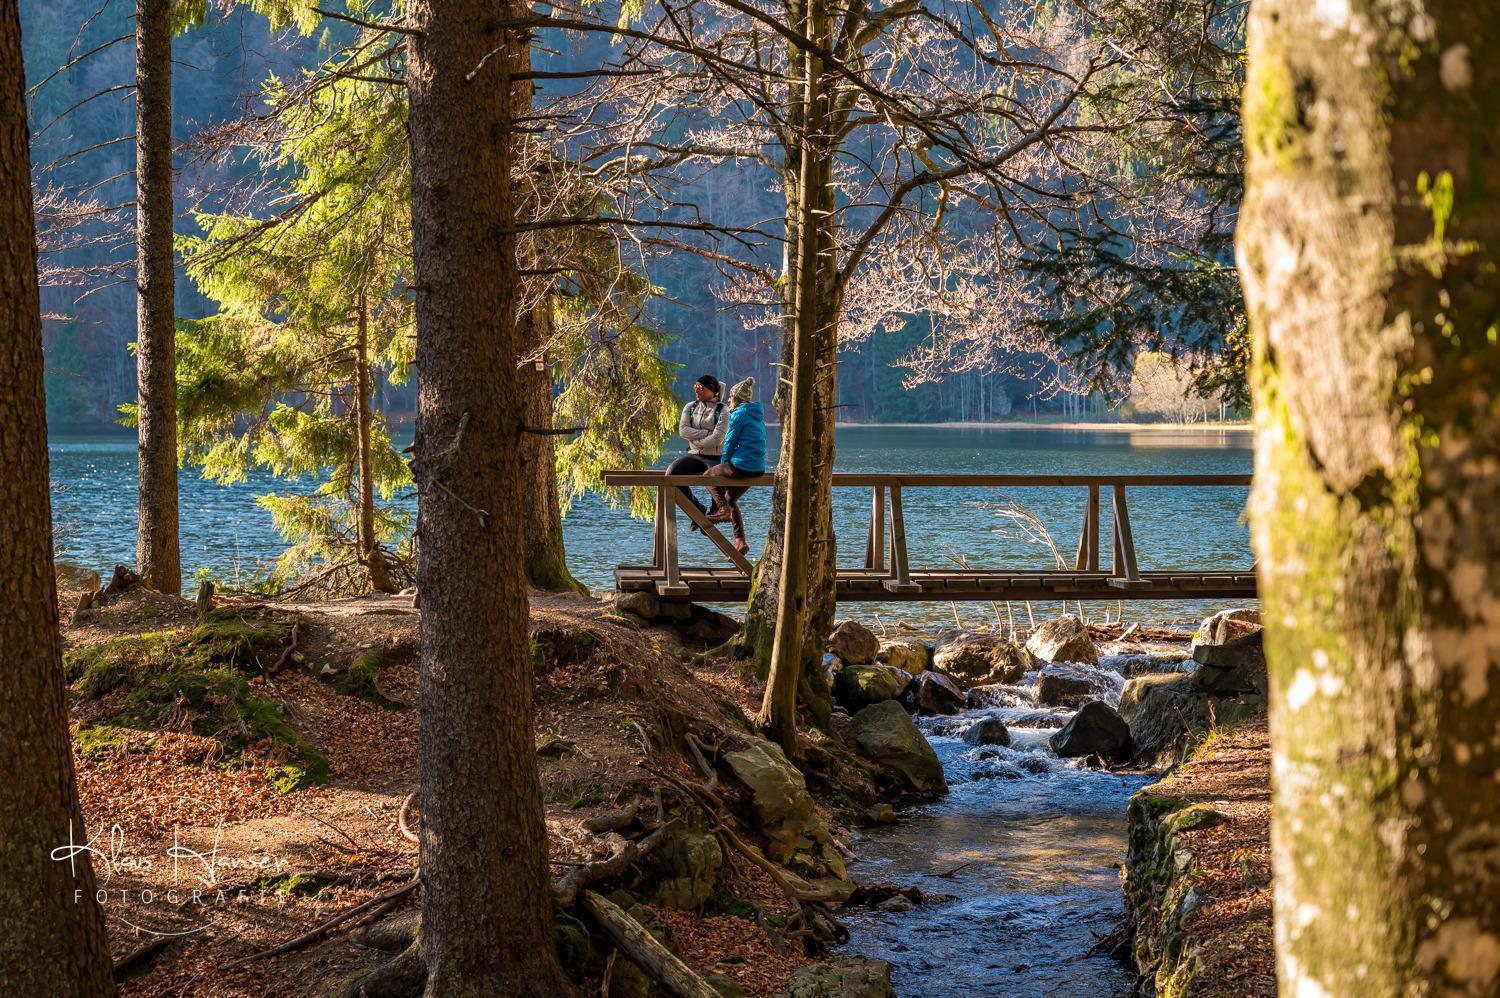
(546, 553)
(53, 928)
(778, 714)
(1370, 239)
(369, 545)
(486, 908)
(158, 559)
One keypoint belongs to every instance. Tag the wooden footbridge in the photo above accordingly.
(887, 573)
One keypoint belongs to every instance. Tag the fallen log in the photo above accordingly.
(644, 950)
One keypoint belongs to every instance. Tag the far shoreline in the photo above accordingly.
(1241, 427)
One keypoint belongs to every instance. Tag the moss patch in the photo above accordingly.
(165, 679)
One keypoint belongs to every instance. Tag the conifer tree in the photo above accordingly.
(313, 308)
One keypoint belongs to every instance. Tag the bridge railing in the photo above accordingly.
(886, 556)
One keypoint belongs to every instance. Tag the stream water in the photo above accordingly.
(1027, 845)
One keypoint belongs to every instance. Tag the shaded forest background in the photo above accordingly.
(221, 68)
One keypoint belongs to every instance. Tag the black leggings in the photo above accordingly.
(693, 464)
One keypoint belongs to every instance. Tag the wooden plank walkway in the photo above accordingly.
(887, 574)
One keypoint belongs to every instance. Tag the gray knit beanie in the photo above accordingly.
(743, 391)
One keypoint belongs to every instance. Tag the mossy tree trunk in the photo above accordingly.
(157, 554)
(54, 940)
(1369, 241)
(778, 714)
(757, 639)
(369, 545)
(546, 554)
(486, 899)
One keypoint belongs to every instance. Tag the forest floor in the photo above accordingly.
(1231, 936)
(209, 848)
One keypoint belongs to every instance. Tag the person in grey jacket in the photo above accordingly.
(703, 424)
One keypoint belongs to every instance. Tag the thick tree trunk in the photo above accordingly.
(369, 545)
(546, 555)
(486, 909)
(158, 559)
(1369, 240)
(54, 940)
(778, 713)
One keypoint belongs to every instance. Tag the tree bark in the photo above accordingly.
(1368, 240)
(158, 559)
(54, 931)
(778, 714)
(757, 639)
(546, 554)
(486, 910)
(369, 545)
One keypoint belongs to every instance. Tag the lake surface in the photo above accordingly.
(225, 533)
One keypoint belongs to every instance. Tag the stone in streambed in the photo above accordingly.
(1065, 639)
(980, 659)
(1064, 686)
(853, 643)
(910, 654)
(856, 686)
(849, 977)
(933, 693)
(987, 731)
(886, 734)
(778, 795)
(1095, 730)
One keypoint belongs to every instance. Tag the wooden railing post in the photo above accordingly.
(1124, 546)
(672, 584)
(900, 580)
(1088, 538)
(875, 542)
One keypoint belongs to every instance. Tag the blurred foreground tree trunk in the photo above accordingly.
(54, 941)
(486, 901)
(1370, 240)
(157, 554)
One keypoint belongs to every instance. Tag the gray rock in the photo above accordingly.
(1064, 639)
(980, 659)
(686, 867)
(857, 686)
(1235, 666)
(853, 643)
(778, 794)
(1095, 730)
(910, 654)
(1064, 686)
(75, 578)
(640, 602)
(848, 977)
(934, 693)
(987, 731)
(1225, 626)
(1168, 712)
(886, 734)
(895, 904)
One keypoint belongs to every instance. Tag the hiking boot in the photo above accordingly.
(721, 515)
(741, 545)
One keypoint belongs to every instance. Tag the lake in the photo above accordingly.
(226, 534)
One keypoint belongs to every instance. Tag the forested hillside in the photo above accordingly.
(83, 118)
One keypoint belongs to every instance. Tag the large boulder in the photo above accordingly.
(847, 977)
(1225, 626)
(1064, 639)
(853, 643)
(1095, 730)
(782, 807)
(910, 654)
(640, 602)
(987, 731)
(856, 686)
(1236, 665)
(1066, 686)
(933, 693)
(75, 578)
(886, 734)
(1169, 712)
(980, 659)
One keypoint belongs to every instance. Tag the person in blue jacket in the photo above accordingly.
(744, 457)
